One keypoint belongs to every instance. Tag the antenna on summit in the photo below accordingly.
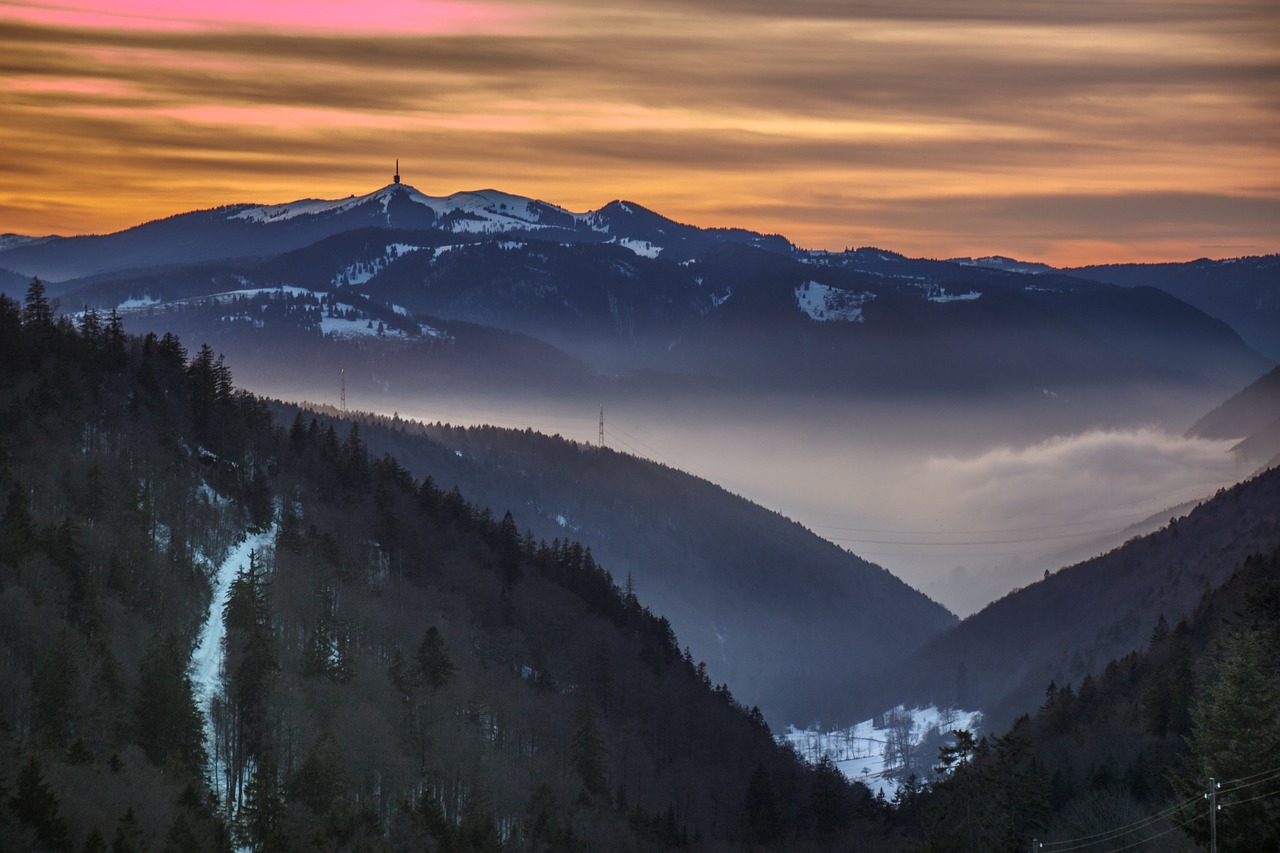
(396, 179)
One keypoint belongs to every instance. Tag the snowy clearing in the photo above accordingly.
(881, 752)
(643, 248)
(825, 304)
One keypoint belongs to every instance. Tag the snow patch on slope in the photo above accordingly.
(826, 304)
(643, 248)
(206, 660)
(362, 271)
(883, 751)
(474, 211)
(942, 296)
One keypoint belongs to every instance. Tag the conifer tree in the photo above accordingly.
(433, 659)
(1236, 736)
(261, 824)
(587, 750)
(35, 804)
(37, 312)
(168, 723)
(249, 662)
(128, 837)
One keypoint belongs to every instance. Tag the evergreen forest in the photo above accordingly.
(399, 669)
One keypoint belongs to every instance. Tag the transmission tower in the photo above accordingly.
(342, 398)
(601, 425)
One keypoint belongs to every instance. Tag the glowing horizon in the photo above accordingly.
(1087, 134)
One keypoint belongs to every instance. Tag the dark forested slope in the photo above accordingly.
(775, 611)
(401, 670)
(1121, 760)
(1073, 622)
(1239, 291)
(1253, 416)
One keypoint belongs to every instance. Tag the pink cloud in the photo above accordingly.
(408, 17)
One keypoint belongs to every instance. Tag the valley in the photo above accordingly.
(605, 527)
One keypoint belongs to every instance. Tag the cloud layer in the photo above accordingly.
(1095, 479)
(1066, 132)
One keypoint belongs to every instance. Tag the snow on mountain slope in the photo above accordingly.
(643, 248)
(474, 211)
(999, 262)
(13, 241)
(824, 304)
(361, 272)
(881, 752)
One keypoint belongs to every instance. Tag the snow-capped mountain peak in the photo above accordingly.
(472, 211)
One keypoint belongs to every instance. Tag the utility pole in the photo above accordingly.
(1212, 797)
(602, 425)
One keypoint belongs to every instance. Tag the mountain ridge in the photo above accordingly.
(1075, 620)
(706, 559)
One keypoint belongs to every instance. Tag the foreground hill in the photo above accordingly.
(397, 670)
(1073, 622)
(1122, 760)
(776, 612)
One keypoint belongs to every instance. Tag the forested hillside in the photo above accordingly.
(400, 670)
(1122, 761)
(1253, 416)
(1076, 620)
(778, 613)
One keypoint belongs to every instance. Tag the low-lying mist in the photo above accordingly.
(965, 500)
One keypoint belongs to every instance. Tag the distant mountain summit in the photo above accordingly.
(242, 231)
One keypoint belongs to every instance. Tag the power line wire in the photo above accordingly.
(1031, 540)
(1125, 829)
(1250, 781)
(1251, 799)
(1136, 516)
(1115, 832)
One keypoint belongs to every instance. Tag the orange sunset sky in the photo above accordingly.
(1066, 132)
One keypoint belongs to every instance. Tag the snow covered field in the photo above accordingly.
(883, 751)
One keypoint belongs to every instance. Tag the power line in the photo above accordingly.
(1027, 541)
(1137, 516)
(1112, 834)
(650, 448)
(1250, 781)
(1251, 799)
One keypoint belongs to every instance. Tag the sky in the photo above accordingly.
(1069, 132)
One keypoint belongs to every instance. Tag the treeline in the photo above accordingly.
(400, 670)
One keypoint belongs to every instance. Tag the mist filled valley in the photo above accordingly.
(963, 499)
(404, 522)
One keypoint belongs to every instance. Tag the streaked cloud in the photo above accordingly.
(1067, 132)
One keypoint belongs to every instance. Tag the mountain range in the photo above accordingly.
(627, 293)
